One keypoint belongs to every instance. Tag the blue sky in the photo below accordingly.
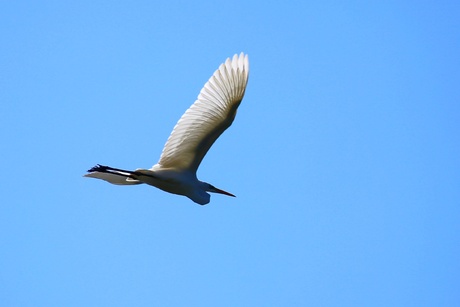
(344, 155)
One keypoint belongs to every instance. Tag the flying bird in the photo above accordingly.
(195, 132)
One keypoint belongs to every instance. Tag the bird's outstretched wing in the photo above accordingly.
(211, 114)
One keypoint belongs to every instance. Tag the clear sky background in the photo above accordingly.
(344, 156)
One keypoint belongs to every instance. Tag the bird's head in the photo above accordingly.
(199, 193)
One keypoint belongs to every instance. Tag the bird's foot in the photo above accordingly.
(98, 168)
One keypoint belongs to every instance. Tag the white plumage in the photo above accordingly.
(195, 132)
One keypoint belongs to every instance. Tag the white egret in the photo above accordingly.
(195, 132)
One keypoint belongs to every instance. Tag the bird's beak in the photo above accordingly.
(216, 190)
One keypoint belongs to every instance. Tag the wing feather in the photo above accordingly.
(211, 114)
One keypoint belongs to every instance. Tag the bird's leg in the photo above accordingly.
(111, 170)
(121, 172)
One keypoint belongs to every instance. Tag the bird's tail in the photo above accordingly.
(112, 175)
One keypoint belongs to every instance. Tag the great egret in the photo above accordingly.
(195, 132)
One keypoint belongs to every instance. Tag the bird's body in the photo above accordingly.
(211, 114)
